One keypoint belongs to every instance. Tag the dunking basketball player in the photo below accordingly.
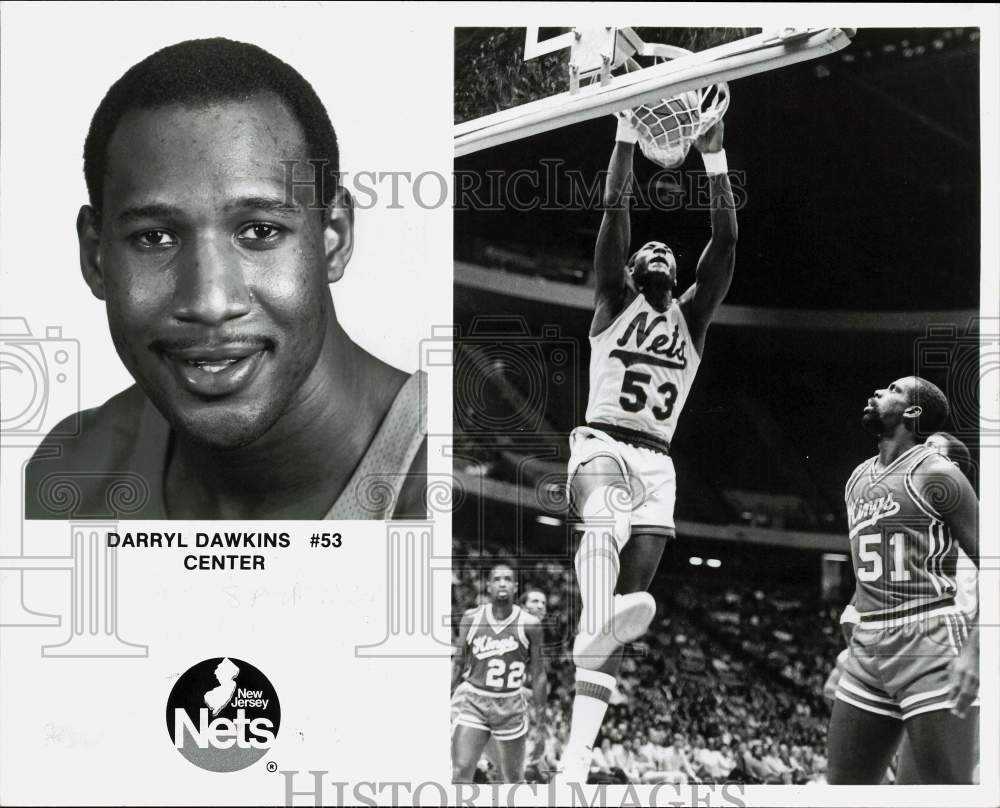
(646, 345)
(913, 665)
(498, 644)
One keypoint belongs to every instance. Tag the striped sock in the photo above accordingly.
(593, 692)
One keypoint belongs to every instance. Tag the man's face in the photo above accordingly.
(885, 408)
(654, 269)
(535, 603)
(501, 586)
(215, 286)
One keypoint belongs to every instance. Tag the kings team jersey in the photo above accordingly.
(641, 370)
(498, 651)
(904, 554)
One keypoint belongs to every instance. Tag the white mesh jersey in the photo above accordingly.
(641, 370)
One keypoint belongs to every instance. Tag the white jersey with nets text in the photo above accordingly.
(641, 370)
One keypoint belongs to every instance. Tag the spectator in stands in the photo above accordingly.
(712, 762)
(602, 756)
(819, 765)
(653, 760)
(790, 758)
(775, 766)
(621, 756)
(728, 762)
(675, 762)
(752, 766)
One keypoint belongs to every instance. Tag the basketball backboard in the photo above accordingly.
(611, 69)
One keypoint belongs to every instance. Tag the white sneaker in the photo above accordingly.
(573, 769)
(630, 619)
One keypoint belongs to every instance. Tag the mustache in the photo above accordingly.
(212, 341)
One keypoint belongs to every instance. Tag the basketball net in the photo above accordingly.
(669, 127)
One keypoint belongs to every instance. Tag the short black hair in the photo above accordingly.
(933, 403)
(497, 566)
(205, 71)
(958, 452)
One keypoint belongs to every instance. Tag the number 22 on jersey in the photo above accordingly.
(504, 676)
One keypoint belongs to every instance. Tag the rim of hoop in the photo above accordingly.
(659, 50)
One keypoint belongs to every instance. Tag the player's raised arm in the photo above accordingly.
(611, 250)
(715, 267)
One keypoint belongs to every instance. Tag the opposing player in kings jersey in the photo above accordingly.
(499, 643)
(913, 656)
(646, 346)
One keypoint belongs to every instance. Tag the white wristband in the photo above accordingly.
(715, 162)
(625, 133)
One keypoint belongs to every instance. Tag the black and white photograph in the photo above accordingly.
(225, 235)
(494, 404)
(719, 346)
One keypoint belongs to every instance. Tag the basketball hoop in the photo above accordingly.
(669, 127)
(673, 94)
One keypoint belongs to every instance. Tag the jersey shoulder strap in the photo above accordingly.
(475, 623)
(854, 477)
(618, 317)
(389, 457)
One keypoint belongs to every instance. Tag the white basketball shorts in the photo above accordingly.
(650, 476)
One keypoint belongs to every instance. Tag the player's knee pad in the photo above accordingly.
(608, 509)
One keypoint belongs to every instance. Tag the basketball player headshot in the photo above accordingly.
(215, 226)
